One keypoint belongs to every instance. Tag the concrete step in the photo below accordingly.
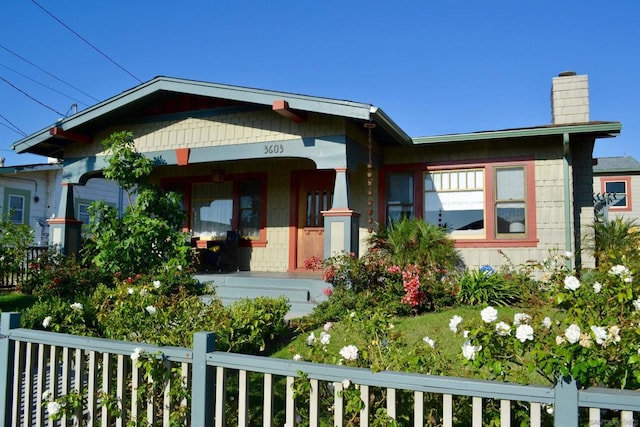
(303, 293)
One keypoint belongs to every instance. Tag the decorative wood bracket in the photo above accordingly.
(182, 156)
(58, 132)
(281, 107)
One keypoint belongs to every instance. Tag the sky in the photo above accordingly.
(435, 67)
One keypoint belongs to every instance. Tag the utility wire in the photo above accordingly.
(30, 97)
(43, 85)
(13, 127)
(85, 40)
(47, 72)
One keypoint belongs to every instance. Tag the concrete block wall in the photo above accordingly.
(569, 99)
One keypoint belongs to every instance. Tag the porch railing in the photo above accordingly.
(243, 390)
(10, 279)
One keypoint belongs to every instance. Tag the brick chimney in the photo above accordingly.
(569, 98)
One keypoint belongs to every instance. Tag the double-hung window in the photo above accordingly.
(16, 205)
(618, 188)
(399, 203)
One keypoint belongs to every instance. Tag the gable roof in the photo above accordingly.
(616, 165)
(143, 95)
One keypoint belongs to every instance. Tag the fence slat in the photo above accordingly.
(476, 418)
(54, 354)
(314, 403)
(121, 378)
(364, 413)
(290, 404)
(505, 413)
(338, 405)
(107, 387)
(447, 410)
(535, 414)
(243, 399)
(418, 408)
(267, 401)
(221, 395)
(41, 377)
(391, 403)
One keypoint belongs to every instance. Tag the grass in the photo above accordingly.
(413, 330)
(15, 301)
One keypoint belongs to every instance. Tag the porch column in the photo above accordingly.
(341, 230)
(65, 229)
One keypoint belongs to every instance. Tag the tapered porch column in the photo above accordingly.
(341, 231)
(65, 229)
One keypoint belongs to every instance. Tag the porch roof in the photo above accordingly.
(51, 140)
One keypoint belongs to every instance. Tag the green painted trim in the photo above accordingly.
(598, 129)
(327, 152)
(568, 200)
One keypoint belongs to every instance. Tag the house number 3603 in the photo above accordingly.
(274, 149)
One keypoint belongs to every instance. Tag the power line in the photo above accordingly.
(30, 97)
(42, 84)
(47, 72)
(85, 40)
(13, 127)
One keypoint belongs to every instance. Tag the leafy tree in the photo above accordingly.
(14, 241)
(148, 235)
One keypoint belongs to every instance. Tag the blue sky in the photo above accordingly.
(434, 67)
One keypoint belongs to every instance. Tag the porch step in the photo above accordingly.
(303, 293)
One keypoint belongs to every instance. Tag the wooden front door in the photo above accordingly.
(315, 194)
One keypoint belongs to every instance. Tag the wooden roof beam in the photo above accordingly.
(281, 107)
(58, 132)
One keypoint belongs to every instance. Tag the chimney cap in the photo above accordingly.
(567, 74)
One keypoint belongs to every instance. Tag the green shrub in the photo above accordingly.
(54, 275)
(62, 315)
(14, 241)
(255, 323)
(476, 287)
(616, 241)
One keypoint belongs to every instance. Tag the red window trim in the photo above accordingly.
(627, 181)
(262, 176)
(529, 240)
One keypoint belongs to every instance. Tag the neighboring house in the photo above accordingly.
(30, 194)
(296, 177)
(616, 183)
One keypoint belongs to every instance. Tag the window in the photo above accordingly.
(212, 209)
(619, 187)
(235, 204)
(83, 213)
(250, 208)
(16, 204)
(400, 202)
(455, 200)
(510, 203)
(479, 204)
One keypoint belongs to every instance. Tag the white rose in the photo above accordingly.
(572, 333)
(524, 333)
(489, 315)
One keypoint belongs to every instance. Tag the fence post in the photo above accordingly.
(8, 321)
(202, 383)
(565, 407)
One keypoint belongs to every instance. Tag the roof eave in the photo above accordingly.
(598, 129)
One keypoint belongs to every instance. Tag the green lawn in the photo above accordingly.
(414, 329)
(15, 301)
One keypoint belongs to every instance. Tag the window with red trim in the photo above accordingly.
(619, 188)
(235, 203)
(476, 203)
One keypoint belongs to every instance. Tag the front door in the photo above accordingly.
(315, 194)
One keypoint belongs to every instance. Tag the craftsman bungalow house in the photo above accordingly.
(295, 176)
